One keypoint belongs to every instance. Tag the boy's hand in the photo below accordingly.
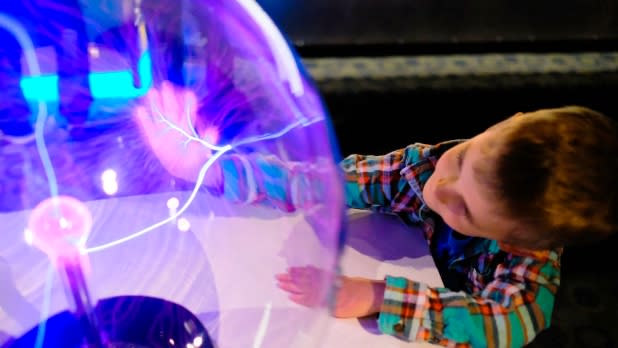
(356, 297)
(168, 120)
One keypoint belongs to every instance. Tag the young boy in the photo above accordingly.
(496, 210)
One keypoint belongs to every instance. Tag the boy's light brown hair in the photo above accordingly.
(556, 171)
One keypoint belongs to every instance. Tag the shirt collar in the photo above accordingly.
(417, 175)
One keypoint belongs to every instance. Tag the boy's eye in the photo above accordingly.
(460, 157)
(465, 210)
(458, 208)
(461, 154)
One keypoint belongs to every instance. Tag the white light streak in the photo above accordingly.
(286, 64)
(261, 331)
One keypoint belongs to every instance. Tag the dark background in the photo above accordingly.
(383, 117)
(389, 22)
(365, 28)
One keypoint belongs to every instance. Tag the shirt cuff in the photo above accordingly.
(238, 183)
(403, 308)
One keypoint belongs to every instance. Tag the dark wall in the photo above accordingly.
(376, 123)
(343, 22)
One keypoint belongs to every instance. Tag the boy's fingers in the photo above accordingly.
(145, 122)
(290, 287)
(154, 101)
(190, 105)
(299, 298)
(299, 274)
(167, 102)
(283, 277)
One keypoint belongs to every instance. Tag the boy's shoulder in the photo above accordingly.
(503, 263)
(421, 157)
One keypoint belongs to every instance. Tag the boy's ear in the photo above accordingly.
(519, 114)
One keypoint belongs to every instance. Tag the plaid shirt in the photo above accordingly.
(500, 298)
(493, 297)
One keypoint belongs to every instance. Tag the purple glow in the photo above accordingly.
(223, 165)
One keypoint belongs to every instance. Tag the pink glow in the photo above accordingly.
(60, 228)
(168, 123)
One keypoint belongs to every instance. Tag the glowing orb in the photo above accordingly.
(60, 228)
(182, 149)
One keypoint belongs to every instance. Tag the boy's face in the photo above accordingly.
(457, 193)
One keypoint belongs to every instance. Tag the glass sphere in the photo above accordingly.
(162, 162)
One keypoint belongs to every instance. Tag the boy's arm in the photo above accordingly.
(508, 312)
(377, 182)
(286, 185)
(382, 184)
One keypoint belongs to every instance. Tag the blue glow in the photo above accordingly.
(115, 84)
(40, 332)
(21, 35)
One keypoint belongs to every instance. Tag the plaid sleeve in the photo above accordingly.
(382, 183)
(287, 186)
(509, 311)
